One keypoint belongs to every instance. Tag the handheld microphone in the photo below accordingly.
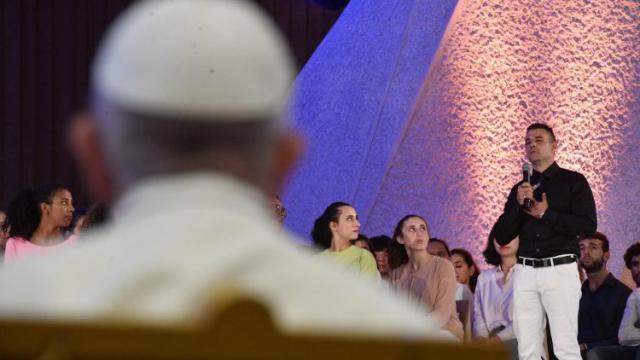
(527, 170)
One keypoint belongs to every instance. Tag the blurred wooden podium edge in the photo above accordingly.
(242, 329)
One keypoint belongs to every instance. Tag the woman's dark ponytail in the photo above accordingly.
(321, 233)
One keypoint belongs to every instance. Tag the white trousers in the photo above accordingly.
(554, 290)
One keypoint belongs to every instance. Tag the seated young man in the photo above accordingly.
(603, 300)
(629, 332)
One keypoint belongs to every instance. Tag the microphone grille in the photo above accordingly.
(526, 167)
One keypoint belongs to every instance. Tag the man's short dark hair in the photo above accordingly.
(544, 127)
(380, 243)
(600, 236)
(632, 251)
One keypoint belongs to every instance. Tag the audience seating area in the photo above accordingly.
(242, 330)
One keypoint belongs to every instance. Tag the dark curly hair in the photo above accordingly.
(599, 236)
(321, 233)
(380, 243)
(632, 251)
(23, 213)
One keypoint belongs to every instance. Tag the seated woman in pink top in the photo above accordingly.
(426, 279)
(36, 220)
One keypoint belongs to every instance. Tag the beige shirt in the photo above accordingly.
(433, 285)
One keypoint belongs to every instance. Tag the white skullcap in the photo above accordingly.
(209, 59)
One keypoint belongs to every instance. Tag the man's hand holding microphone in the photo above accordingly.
(525, 196)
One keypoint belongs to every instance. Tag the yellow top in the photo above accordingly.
(356, 258)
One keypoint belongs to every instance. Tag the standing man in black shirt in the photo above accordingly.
(546, 281)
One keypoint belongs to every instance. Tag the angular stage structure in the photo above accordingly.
(421, 107)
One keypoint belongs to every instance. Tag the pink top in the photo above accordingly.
(434, 286)
(18, 248)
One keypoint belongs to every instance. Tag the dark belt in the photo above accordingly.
(545, 262)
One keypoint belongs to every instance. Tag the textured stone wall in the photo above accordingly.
(501, 66)
(353, 98)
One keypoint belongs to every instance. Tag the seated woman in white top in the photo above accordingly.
(466, 269)
(493, 299)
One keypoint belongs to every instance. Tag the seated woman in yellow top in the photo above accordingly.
(333, 232)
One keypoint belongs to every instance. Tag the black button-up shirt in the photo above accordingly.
(601, 312)
(571, 213)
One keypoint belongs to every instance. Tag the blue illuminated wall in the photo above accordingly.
(354, 96)
(421, 107)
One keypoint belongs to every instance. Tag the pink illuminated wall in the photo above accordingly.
(500, 66)
(503, 65)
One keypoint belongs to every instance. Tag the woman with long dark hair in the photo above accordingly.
(427, 279)
(466, 269)
(334, 231)
(493, 299)
(36, 221)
